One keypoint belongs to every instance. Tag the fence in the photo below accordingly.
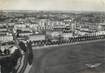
(71, 40)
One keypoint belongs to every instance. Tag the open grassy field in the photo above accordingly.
(69, 58)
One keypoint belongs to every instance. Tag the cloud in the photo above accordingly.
(84, 5)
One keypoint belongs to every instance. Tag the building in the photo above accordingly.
(6, 38)
(38, 37)
(101, 27)
(53, 35)
(25, 33)
(66, 36)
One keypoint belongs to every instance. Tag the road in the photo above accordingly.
(68, 58)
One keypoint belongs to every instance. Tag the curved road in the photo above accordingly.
(44, 54)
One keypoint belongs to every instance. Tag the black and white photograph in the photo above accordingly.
(52, 36)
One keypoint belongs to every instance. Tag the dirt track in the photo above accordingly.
(68, 59)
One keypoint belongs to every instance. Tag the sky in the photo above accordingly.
(59, 5)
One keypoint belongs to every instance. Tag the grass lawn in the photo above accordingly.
(69, 58)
